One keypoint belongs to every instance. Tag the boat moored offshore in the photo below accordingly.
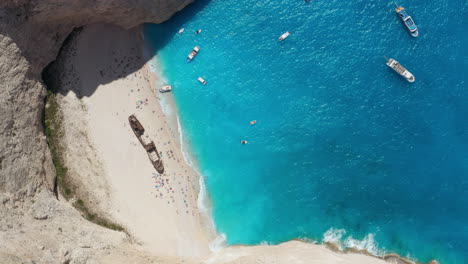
(407, 20)
(400, 70)
(193, 53)
(200, 79)
(284, 36)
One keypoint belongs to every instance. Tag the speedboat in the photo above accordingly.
(407, 20)
(400, 70)
(193, 53)
(200, 79)
(165, 89)
(284, 36)
(181, 30)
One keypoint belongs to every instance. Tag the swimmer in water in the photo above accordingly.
(198, 31)
(243, 142)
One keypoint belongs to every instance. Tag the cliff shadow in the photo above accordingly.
(164, 32)
(99, 54)
(93, 56)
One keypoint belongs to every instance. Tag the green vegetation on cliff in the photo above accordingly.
(54, 131)
(64, 185)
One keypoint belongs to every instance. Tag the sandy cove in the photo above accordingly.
(160, 211)
(104, 78)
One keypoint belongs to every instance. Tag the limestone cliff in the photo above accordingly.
(31, 34)
(34, 226)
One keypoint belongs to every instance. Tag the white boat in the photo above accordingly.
(165, 89)
(200, 79)
(193, 53)
(181, 30)
(406, 18)
(400, 69)
(284, 36)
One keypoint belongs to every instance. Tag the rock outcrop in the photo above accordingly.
(31, 34)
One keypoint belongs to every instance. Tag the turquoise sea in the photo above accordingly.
(344, 149)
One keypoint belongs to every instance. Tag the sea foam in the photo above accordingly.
(339, 238)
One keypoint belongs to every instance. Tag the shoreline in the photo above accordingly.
(155, 225)
(170, 111)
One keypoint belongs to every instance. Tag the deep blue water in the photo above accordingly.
(342, 143)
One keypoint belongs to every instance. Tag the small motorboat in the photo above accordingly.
(193, 53)
(284, 36)
(198, 31)
(243, 142)
(165, 89)
(253, 122)
(200, 79)
(181, 30)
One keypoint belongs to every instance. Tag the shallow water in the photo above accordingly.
(344, 148)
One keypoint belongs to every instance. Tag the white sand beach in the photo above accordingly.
(160, 211)
(109, 80)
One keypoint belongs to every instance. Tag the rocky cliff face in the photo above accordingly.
(34, 226)
(31, 34)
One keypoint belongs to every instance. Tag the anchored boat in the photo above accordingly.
(284, 36)
(165, 89)
(407, 20)
(193, 53)
(400, 69)
(200, 79)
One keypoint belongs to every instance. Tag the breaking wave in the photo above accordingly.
(339, 238)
